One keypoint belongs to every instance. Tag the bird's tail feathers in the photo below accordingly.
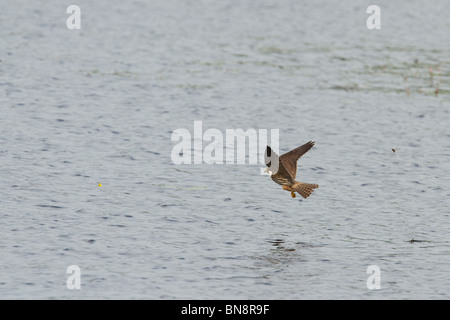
(305, 189)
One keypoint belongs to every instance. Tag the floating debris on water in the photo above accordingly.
(414, 240)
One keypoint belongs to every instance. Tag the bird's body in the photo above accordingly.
(284, 174)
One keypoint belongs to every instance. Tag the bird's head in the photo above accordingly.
(271, 160)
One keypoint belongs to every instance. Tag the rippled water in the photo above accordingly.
(98, 105)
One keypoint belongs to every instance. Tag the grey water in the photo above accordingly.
(87, 178)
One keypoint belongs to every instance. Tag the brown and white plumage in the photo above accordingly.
(287, 170)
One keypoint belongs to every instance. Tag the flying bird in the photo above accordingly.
(286, 171)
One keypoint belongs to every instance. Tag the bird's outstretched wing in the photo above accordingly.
(289, 159)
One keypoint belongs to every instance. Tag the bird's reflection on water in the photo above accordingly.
(279, 245)
(282, 253)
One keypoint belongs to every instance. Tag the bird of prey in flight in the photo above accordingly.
(286, 171)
